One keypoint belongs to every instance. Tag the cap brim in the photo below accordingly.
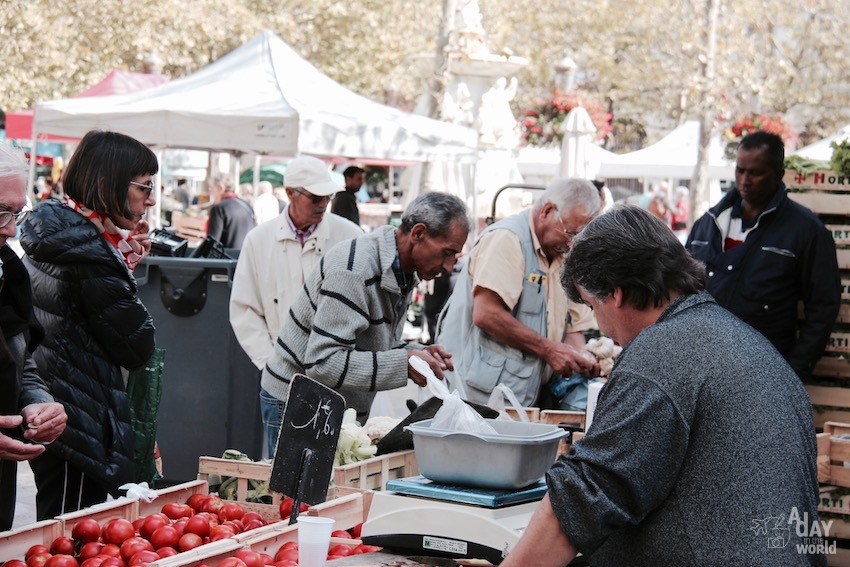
(323, 189)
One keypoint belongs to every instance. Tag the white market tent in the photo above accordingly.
(540, 164)
(261, 98)
(821, 149)
(673, 157)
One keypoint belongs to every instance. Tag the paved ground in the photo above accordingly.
(25, 505)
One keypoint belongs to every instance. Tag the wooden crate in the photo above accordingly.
(533, 414)
(557, 417)
(833, 452)
(126, 508)
(14, 543)
(348, 510)
(243, 471)
(373, 474)
(192, 228)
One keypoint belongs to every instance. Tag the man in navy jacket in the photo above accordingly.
(764, 254)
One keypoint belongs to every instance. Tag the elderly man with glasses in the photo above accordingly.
(507, 320)
(275, 260)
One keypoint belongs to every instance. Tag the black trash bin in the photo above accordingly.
(210, 387)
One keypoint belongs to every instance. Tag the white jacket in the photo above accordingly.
(271, 271)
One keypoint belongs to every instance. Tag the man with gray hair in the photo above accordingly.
(507, 321)
(702, 449)
(29, 417)
(344, 328)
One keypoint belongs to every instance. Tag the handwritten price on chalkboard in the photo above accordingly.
(314, 422)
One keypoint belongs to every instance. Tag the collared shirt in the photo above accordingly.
(487, 268)
(300, 235)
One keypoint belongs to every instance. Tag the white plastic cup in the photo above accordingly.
(314, 539)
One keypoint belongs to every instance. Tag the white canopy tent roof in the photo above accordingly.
(821, 149)
(541, 164)
(261, 98)
(674, 156)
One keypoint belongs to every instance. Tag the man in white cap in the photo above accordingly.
(276, 258)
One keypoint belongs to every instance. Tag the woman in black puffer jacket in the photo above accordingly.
(80, 257)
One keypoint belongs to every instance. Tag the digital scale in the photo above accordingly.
(420, 516)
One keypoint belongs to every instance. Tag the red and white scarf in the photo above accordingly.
(131, 250)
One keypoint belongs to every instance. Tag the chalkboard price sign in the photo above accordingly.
(303, 461)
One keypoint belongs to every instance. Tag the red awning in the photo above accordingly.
(19, 124)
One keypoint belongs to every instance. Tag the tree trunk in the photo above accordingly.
(700, 180)
(441, 61)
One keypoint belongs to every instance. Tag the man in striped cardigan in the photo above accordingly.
(344, 328)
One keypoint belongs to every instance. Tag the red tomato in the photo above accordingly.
(15, 563)
(230, 511)
(36, 550)
(61, 560)
(340, 549)
(231, 562)
(111, 550)
(137, 524)
(92, 561)
(62, 546)
(166, 552)
(213, 504)
(219, 530)
(290, 545)
(253, 525)
(177, 511)
(38, 560)
(132, 546)
(189, 541)
(285, 507)
(249, 557)
(117, 531)
(355, 531)
(180, 525)
(86, 530)
(112, 562)
(144, 557)
(198, 525)
(166, 536)
(267, 559)
(152, 523)
(90, 549)
(290, 554)
(341, 533)
(235, 525)
(252, 516)
(196, 501)
(363, 548)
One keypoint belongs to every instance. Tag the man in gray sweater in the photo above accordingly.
(344, 328)
(702, 449)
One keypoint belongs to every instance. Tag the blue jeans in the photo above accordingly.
(271, 410)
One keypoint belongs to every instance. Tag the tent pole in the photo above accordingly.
(33, 156)
(237, 167)
(157, 208)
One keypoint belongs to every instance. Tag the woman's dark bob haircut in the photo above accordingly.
(98, 175)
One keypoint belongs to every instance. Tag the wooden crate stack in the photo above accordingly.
(828, 194)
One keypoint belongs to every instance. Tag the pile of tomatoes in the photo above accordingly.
(121, 543)
(177, 528)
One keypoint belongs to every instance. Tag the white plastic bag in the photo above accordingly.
(497, 402)
(455, 414)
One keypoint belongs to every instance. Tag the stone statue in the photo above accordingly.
(497, 125)
(458, 109)
(468, 35)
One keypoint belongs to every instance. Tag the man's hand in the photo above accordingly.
(44, 422)
(436, 362)
(566, 360)
(441, 354)
(12, 449)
